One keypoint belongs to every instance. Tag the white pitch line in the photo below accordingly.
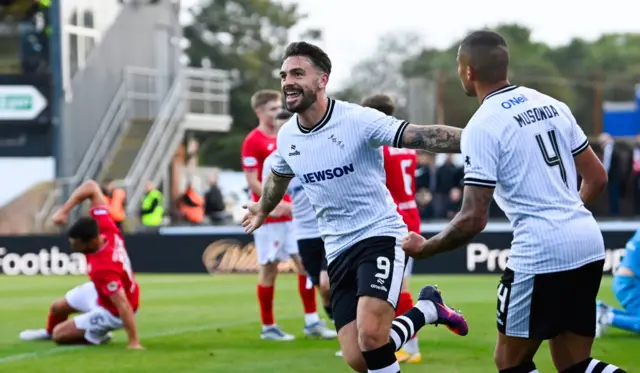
(57, 350)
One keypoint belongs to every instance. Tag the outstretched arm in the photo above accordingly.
(470, 221)
(273, 189)
(88, 190)
(379, 129)
(433, 138)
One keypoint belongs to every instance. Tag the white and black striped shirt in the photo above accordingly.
(340, 166)
(522, 143)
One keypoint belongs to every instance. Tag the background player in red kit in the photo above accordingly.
(275, 241)
(114, 297)
(400, 168)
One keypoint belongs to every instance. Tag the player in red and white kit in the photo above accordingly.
(110, 300)
(400, 169)
(275, 240)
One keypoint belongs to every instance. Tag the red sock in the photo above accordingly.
(308, 296)
(54, 320)
(405, 303)
(265, 300)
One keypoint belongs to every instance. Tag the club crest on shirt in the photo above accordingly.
(112, 286)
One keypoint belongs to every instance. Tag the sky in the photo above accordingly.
(351, 28)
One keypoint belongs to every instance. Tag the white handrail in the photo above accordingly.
(98, 147)
(161, 155)
(142, 159)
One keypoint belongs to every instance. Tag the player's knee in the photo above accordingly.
(405, 286)
(372, 336)
(512, 363)
(58, 334)
(297, 263)
(324, 288)
(501, 358)
(60, 307)
(268, 273)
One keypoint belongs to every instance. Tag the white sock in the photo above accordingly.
(412, 346)
(609, 318)
(265, 327)
(311, 318)
(429, 310)
(393, 368)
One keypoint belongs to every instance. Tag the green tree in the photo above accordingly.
(381, 72)
(247, 38)
(572, 73)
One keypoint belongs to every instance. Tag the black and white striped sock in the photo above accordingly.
(404, 327)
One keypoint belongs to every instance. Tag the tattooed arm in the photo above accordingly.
(433, 138)
(470, 221)
(273, 189)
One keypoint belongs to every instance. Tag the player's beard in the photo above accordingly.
(307, 98)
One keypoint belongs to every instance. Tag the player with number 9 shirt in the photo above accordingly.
(110, 300)
(400, 170)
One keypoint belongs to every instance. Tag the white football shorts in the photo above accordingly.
(275, 242)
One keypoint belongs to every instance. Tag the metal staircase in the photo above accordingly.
(142, 130)
(135, 98)
(117, 166)
(198, 100)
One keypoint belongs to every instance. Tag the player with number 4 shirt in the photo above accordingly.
(110, 300)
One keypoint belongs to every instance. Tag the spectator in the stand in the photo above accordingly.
(426, 172)
(424, 200)
(215, 207)
(191, 206)
(635, 172)
(611, 159)
(447, 177)
(117, 199)
(152, 208)
(455, 202)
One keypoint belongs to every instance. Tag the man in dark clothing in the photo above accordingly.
(214, 206)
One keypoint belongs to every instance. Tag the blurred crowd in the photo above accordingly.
(191, 207)
(439, 188)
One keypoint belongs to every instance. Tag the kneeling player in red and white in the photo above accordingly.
(111, 299)
(400, 168)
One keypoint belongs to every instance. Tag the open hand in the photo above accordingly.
(254, 218)
(135, 346)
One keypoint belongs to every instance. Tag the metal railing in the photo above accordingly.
(196, 91)
(139, 95)
(162, 131)
(101, 144)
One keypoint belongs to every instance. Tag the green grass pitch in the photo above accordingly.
(193, 324)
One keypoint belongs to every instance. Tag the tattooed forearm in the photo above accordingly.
(434, 138)
(470, 221)
(273, 189)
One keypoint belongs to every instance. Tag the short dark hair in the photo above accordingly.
(263, 96)
(488, 55)
(84, 229)
(284, 115)
(381, 102)
(314, 53)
